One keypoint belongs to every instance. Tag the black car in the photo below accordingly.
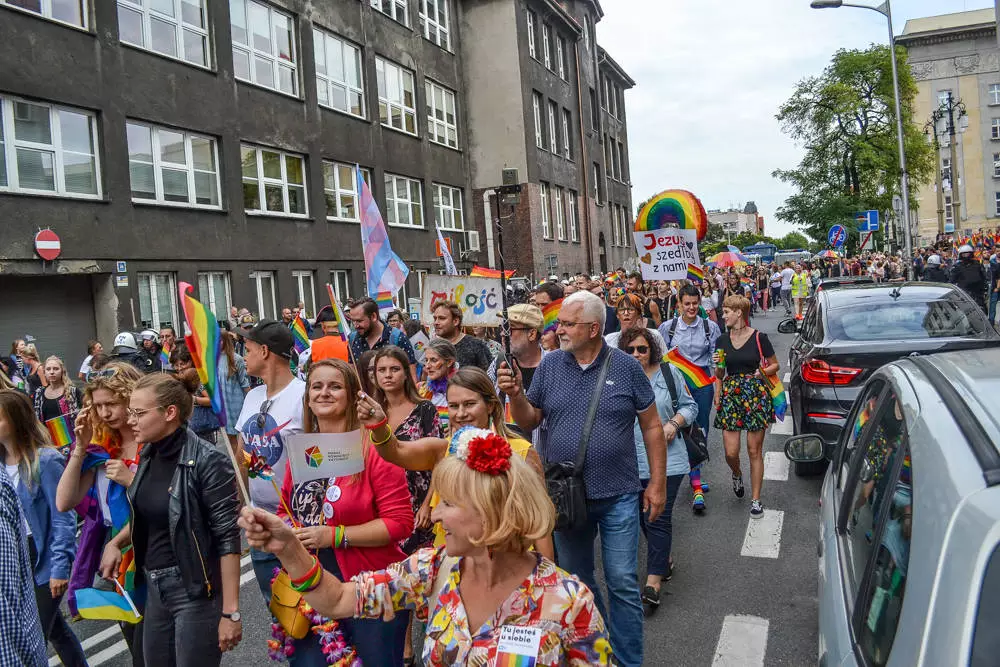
(850, 332)
(842, 281)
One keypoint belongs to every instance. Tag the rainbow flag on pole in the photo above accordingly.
(550, 315)
(695, 273)
(342, 326)
(205, 344)
(695, 375)
(484, 272)
(300, 334)
(61, 431)
(384, 301)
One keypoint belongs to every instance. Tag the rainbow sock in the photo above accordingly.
(695, 477)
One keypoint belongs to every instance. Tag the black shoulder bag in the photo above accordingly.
(694, 437)
(564, 479)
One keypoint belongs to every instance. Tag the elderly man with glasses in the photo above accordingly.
(271, 412)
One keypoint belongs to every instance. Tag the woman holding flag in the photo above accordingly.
(352, 523)
(34, 467)
(60, 398)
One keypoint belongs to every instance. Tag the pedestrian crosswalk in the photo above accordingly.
(107, 644)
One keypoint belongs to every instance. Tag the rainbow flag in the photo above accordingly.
(205, 344)
(550, 315)
(384, 301)
(695, 273)
(483, 272)
(614, 277)
(164, 359)
(442, 411)
(778, 398)
(300, 334)
(98, 605)
(61, 431)
(695, 376)
(505, 659)
(342, 326)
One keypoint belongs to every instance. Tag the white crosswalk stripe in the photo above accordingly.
(763, 537)
(776, 466)
(742, 642)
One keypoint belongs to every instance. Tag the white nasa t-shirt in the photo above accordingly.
(283, 418)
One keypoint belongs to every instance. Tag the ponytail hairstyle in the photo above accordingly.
(170, 390)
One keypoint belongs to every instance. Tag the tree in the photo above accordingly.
(845, 119)
(792, 240)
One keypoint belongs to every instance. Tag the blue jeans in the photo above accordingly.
(659, 533)
(993, 305)
(617, 519)
(263, 571)
(703, 397)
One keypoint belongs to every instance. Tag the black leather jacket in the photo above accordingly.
(203, 508)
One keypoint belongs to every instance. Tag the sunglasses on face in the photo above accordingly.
(262, 413)
(641, 349)
(104, 373)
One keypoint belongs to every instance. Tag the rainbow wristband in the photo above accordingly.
(310, 580)
(338, 537)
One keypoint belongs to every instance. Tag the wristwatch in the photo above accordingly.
(234, 617)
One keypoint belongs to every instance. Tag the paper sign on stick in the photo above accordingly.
(324, 455)
(664, 254)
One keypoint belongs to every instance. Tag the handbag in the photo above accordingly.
(564, 479)
(285, 606)
(774, 387)
(694, 438)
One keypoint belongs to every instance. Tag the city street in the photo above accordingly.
(743, 591)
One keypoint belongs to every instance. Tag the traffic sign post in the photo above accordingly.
(866, 240)
(837, 236)
(867, 221)
(47, 245)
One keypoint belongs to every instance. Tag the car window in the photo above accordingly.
(863, 410)
(950, 315)
(985, 638)
(867, 487)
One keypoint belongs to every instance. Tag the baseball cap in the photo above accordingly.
(526, 315)
(275, 335)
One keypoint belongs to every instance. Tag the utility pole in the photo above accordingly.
(956, 202)
(931, 127)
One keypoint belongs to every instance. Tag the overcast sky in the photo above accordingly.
(710, 75)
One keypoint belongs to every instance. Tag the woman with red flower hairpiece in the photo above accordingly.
(483, 586)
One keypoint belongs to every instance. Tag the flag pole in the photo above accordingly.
(504, 321)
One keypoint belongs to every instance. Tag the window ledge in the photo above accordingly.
(415, 135)
(341, 112)
(303, 217)
(270, 90)
(20, 10)
(399, 226)
(165, 56)
(344, 220)
(42, 194)
(438, 143)
(178, 205)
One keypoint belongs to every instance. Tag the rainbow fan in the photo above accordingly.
(671, 208)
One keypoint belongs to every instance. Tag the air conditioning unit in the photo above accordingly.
(473, 241)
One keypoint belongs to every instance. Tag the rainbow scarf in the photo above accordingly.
(205, 345)
(550, 316)
(695, 274)
(300, 334)
(694, 375)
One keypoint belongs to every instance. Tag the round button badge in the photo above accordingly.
(333, 493)
(328, 510)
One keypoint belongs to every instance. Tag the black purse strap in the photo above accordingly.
(669, 379)
(595, 400)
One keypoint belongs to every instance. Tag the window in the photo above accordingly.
(536, 107)
(626, 237)
(586, 31)
(598, 185)
(448, 208)
(623, 162)
(264, 46)
(305, 291)
(340, 188)
(595, 119)
(73, 12)
(341, 285)
(531, 34)
(397, 104)
(273, 181)
(404, 201)
(339, 74)
(560, 213)
(48, 149)
(949, 214)
(567, 123)
(946, 172)
(174, 28)
(561, 57)
(434, 21)
(172, 167)
(267, 305)
(213, 289)
(603, 82)
(995, 128)
(553, 133)
(609, 163)
(546, 220)
(397, 10)
(546, 45)
(574, 229)
(157, 300)
(616, 231)
(994, 93)
(442, 126)
(997, 208)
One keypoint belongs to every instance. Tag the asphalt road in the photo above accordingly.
(736, 599)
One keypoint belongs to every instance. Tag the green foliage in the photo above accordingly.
(792, 240)
(845, 120)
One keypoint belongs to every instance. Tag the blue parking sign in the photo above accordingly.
(867, 221)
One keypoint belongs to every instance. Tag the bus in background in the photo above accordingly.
(792, 256)
(765, 250)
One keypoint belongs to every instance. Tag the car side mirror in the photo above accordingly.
(806, 448)
(788, 326)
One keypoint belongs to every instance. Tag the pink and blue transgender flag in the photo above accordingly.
(386, 271)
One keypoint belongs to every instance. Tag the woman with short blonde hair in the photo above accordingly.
(493, 507)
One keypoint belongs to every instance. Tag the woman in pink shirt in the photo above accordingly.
(354, 523)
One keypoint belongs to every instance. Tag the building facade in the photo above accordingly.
(956, 56)
(218, 144)
(737, 221)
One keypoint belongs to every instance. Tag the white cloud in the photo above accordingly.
(710, 75)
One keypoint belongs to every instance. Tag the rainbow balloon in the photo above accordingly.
(670, 208)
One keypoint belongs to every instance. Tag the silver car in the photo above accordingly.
(909, 544)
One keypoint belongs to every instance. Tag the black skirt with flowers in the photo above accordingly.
(745, 405)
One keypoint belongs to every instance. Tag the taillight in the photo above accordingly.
(816, 371)
(823, 415)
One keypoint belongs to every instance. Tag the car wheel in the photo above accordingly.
(810, 469)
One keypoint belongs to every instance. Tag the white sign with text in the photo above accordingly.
(664, 254)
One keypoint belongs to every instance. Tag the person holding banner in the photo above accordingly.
(186, 550)
(34, 467)
(494, 506)
(353, 523)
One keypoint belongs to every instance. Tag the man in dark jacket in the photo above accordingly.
(933, 273)
(970, 275)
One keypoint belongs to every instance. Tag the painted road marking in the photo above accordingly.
(787, 378)
(107, 654)
(763, 538)
(776, 466)
(742, 642)
(785, 427)
(90, 642)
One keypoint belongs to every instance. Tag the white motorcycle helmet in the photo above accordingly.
(965, 250)
(934, 260)
(125, 343)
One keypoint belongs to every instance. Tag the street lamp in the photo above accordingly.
(885, 10)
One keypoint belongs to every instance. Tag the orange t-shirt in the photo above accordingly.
(329, 347)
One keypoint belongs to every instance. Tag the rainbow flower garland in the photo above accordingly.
(331, 640)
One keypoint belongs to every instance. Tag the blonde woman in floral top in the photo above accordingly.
(485, 597)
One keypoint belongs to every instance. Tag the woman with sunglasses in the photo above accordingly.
(659, 533)
(34, 467)
(440, 363)
(629, 310)
(97, 491)
(353, 523)
(187, 550)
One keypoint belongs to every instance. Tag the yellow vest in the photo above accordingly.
(800, 285)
